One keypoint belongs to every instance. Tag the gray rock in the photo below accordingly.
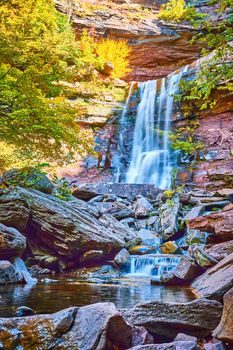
(168, 214)
(122, 257)
(12, 242)
(24, 311)
(187, 270)
(92, 256)
(185, 337)
(29, 177)
(142, 206)
(70, 229)
(176, 345)
(194, 212)
(216, 281)
(83, 193)
(93, 327)
(14, 210)
(8, 273)
(201, 257)
(197, 318)
(219, 251)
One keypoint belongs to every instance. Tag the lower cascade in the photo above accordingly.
(152, 159)
(151, 265)
(21, 268)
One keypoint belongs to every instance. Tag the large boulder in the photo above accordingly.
(122, 257)
(14, 210)
(186, 269)
(29, 177)
(92, 327)
(168, 214)
(12, 242)
(219, 223)
(8, 273)
(198, 318)
(224, 331)
(176, 345)
(220, 251)
(69, 229)
(216, 281)
(142, 206)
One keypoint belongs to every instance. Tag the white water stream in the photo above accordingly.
(21, 268)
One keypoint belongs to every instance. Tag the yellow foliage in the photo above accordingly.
(173, 10)
(115, 52)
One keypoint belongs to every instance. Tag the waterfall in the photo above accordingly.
(151, 155)
(151, 265)
(21, 268)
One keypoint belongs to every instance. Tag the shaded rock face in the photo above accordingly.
(14, 210)
(176, 345)
(198, 318)
(216, 281)
(8, 273)
(12, 242)
(69, 229)
(224, 331)
(91, 327)
(221, 250)
(220, 223)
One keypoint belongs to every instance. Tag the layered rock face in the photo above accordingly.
(66, 229)
(152, 42)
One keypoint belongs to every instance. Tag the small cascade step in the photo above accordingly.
(151, 264)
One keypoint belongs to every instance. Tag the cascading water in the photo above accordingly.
(21, 268)
(151, 265)
(151, 155)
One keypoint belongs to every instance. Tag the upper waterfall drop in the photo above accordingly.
(151, 156)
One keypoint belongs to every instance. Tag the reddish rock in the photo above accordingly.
(219, 223)
(221, 250)
(224, 331)
(216, 281)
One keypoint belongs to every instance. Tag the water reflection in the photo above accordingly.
(50, 296)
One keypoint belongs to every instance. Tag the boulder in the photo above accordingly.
(12, 242)
(197, 318)
(8, 273)
(69, 229)
(219, 223)
(122, 257)
(140, 250)
(142, 206)
(176, 345)
(83, 193)
(168, 214)
(201, 257)
(186, 269)
(224, 331)
(220, 251)
(91, 327)
(24, 311)
(169, 247)
(14, 210)
(195, 237)
(29, 177)
(216, 281)
(194, 212)
(149, 238)
(185, 337)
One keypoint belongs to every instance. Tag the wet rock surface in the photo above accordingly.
(224, 331)
(216, 281)
(91, 327)
(8, 273)
(196, 318)
(12, 242)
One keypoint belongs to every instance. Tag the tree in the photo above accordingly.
(38, 49)
(216, 68)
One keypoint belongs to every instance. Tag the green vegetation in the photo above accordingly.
(177, 11)
(184, 139)
(46, 80)
(216, 70)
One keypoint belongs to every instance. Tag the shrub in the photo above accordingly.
(117, 53)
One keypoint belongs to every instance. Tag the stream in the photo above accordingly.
(52, 294)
